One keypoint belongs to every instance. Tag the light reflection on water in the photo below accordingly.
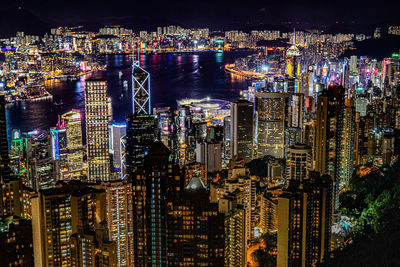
(173, 77)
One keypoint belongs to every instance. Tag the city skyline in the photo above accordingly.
(185, 146)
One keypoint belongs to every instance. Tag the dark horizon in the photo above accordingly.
(220, 15)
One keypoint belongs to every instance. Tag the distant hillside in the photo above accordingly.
(14, 20)
(377, 48)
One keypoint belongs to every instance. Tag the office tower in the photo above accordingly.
(209, 154)
(242, 121)
(17, 153)
(190, 216)
(117, 132)
(298, 163)
(120, 219)
(72, 123)
(226, 148)
(235, 234)
(140, 89)
(329, 129)
(293, 136)
(16, 242)
(292, 62)
(4, 158)
(304, 222)
(296, 110)
(58, 137)
(272, 120)
(347, 146)
(41, 168)
(97, 130)
(155, 185)
(164, 121)
(140, 135)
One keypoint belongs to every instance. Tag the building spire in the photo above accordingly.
(294, 36)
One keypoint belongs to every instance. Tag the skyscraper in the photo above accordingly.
(73, 126)
(272, 120)
(140, 135)
(41, 168)
(304, 222)
(155, 185)
(117, 132)
(298, 163)
(347, 147)
(292, 63)
(4, 158)
(329, 129)
(69, 227)
(190, 216)
(97, 130)
(120, 219)
(140, 89)
(51, 210)
(242, 121)
(59, 151)
(235, 231)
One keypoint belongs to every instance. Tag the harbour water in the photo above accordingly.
(173, 77)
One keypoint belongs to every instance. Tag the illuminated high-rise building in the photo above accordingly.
(4, 157)
(235, 231)
(41, 168)
(329, 127)
(11, 197)
(73, 126)
(140, 89)
(191, 215)
(76, 215)
(272, 120)
(51, 210)
(155, 185)
(298, 163)
(347, 146)
(242, 121)
(97, 130)
(304, 222)
(269, 210)
(292, 59)
(58, 139)
(209, 154)
(117, 132)
(140, 135)
(243, 187)
(120, 219)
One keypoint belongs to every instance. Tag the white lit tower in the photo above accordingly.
(140, 87)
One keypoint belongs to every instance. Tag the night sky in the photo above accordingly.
(218, 14)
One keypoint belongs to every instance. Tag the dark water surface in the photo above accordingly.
(173, 77)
